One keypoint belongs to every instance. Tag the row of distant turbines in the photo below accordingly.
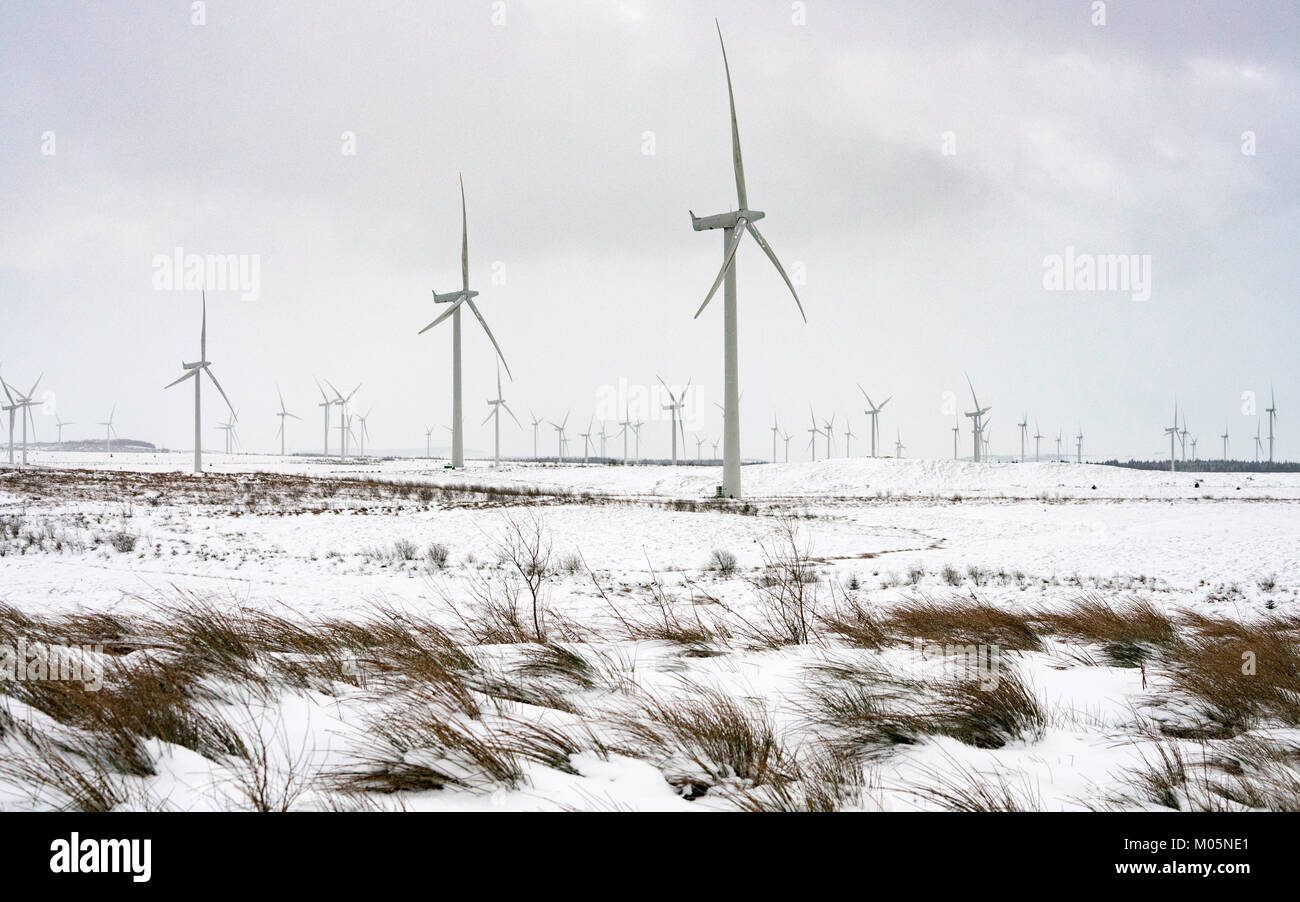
(734, 225)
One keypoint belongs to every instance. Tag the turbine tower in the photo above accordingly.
(325, 404)
(813, 433)
(1172, 432)
(828, 430)
(1038, 438)
(776, 430)
(873, 411)
(345, 421)
(977, 417)
(848, 439)
(1079, 445)
(559, 434)
(676, 407)
(956, 433)
(785, 436)
(734, 225)
(457, 299)
(283, 415)
(109, 432)
(1272, 415)
(1225, 441)
(898, 445)
(636, 431)
(625, 424)
(497, 404)
(193, 371)
(59, 424)
(428, 442)
(537, 421)
(1023, 426)
(364, 432)
(586, 440)
(23, 403)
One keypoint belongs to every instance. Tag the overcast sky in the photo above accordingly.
(915, 265)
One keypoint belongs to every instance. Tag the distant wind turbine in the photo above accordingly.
(559, 434)
(364, 432)
(326, 403)
(1038, 438)
(675, 406)
(828, 429)
(284, 415)
(734, 226)
(873, 411)
(1259, 445)
(1225, 441)
(497, 404)
(109, 431)
(345, 421)
(786, 438)
(22, 405)
(428, 442)
(456, 299)
(898, 444)
(586, 440)
(1172, 432)
(775, 432)
(537, 422)
(59, 424)
(977, 417)
(1079, 446)
(1023, 426)
(848, 439)
(1272, 416)
(813, 433)
(956, 433)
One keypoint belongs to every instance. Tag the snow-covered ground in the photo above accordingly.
(1022, 537)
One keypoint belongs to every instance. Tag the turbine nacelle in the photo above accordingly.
(724, 220)
(452, 296)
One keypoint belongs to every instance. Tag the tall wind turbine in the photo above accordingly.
(1079, 445)
(559, 435)
(734, 225)
(325, 404)
(364, 432)
(1172, 432)
(848, 439)
(873, 411)
(59, 424)
(22, 405)
(345, 421)
(977, 417)
(813, 433)
(1259, 445)
(1023, 426)
(675, 406)
(283, 415)
(497, 404)
(1225, 441)
(1038, 438)
(537, 422)
(457, 299)
(776, 430)
(828, 429)
(428, 442)
(898, 444)
(193, 371)
(956, 433)
(12, 409)
(109, 431)
(1272, 415)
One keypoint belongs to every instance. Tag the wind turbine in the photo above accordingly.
(985, 429)
(848, 439)
(1194, 440)
(229, 428)
(699, 446)
(813, 433)
(828, 429)
(956, 433)
(109, 431)
(428, 443)
(364, 432)
(977, 417)
(457, 299)
(898, 445)
(1182, 439)
(283, 415)
(676, 407)
(786, 438)
(1259, 445)
(1061, 432)
(625, 424)
(775, 431)
(559, 432)
(1023, 426)
(636, 431)
(325, 405)
(59, 424)
(716, 442)
(1079, 446)
(345, 421)
(1038, 438)
(192, 372)
(1172, 432)
(586, 440)
(1225, 441)
(603, 436)
(23, 403)
(497, 404)
(734, 225)
(873, 411)
(1272, 415)
(537, 421)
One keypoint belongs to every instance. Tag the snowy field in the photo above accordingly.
(856, 634)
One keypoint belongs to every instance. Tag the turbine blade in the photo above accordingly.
(203, 330)
(464, 237)
(482, 322)
(181, 379)
(741, 196)
(737, 234)
(512, 414)
(446, 313)
(771, 255)
(208, 370)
